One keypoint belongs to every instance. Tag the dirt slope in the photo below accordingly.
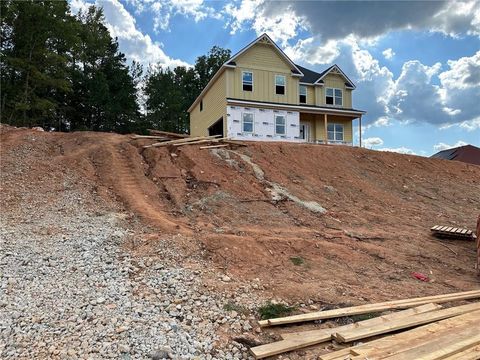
(374, 233)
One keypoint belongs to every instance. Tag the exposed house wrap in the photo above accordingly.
(263, 124)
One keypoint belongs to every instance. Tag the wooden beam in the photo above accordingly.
(403, 323)
(369, 308)
(178, 141)
(214, 146)
(469, 354)
(200, 141)
(392, 344)
(307, 338)
(166, 133)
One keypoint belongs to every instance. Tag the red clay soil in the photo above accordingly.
(374, 234)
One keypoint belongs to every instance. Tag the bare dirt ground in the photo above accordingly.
(217, 206)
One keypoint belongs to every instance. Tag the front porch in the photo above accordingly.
(326, 128)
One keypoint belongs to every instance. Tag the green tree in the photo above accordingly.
(36, 38)
(169, 93)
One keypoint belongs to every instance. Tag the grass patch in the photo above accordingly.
(270, 311)
(231, 306)
(297, 260)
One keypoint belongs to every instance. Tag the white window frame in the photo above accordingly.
(250, 72)
(335, 140)
(253, 122)
(334, 97)
(284, 85)
(284, 124)
(299, 94)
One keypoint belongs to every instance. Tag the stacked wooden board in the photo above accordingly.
(163, 138)
(451, 232)
(428, 331)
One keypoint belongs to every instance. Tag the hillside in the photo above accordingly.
(355, 221)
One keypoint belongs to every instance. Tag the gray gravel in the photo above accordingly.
(69, 290)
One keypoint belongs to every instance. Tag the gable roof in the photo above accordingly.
(266, 39)
(315, 78)
(467, 153)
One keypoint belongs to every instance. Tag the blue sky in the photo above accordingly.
(416, 64)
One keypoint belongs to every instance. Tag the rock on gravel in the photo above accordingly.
(69, 290)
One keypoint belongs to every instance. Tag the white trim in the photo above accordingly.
(284, 85)
(247, 71)
(253, 122)
(264, 35)
(335, 133)
(225, 65)
(308, 108)
(306, 94)
(334, 104)
(303, 83)
(284, 124)
(340, 70)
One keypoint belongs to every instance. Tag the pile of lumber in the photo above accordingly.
(452, 232)
(424, 329)
(163, 138)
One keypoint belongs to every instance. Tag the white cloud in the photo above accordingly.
(442, 146)
(136, 45)
(400, 150)
(307, 50)
(388, 53)
(241, 14)
(372, 141)
(164, 10)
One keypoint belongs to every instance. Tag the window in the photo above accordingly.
(247, 122)
(280, 125)
(302, 90)
(333, 97)
(335, 132)
(201, 105)
(247, 81)
(280, 84)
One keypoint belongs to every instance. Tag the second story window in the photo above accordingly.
(333, 97)
(280, 84)
(280, 125)
(302, 91)
(247, 81)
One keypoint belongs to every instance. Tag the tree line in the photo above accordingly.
(65, 72)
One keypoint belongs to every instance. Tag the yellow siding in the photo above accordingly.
(263, 57)
(214, 108)
(264, 62)
(310, 95)
(317, 125)
(338, 82)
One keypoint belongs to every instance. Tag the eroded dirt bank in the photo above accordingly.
(243, 215)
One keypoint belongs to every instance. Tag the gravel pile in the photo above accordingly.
(69, 289)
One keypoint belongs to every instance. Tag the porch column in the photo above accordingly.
(360, 130)
(326, 132)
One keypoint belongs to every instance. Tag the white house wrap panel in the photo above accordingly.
(263, 124)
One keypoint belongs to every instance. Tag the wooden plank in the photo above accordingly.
(369, 308)
(404, 323)
(154, 137)
(214, 146)
(393, 343)
(435, 227)
(308, 338)
(166, 133)
(181, 141)
(199, 142)
(472, 353)
(232, 142)
(377, 320)
(439, 348)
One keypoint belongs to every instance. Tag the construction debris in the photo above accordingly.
(442, 334)
(214, 146)
(452, 232)
(168, 134)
